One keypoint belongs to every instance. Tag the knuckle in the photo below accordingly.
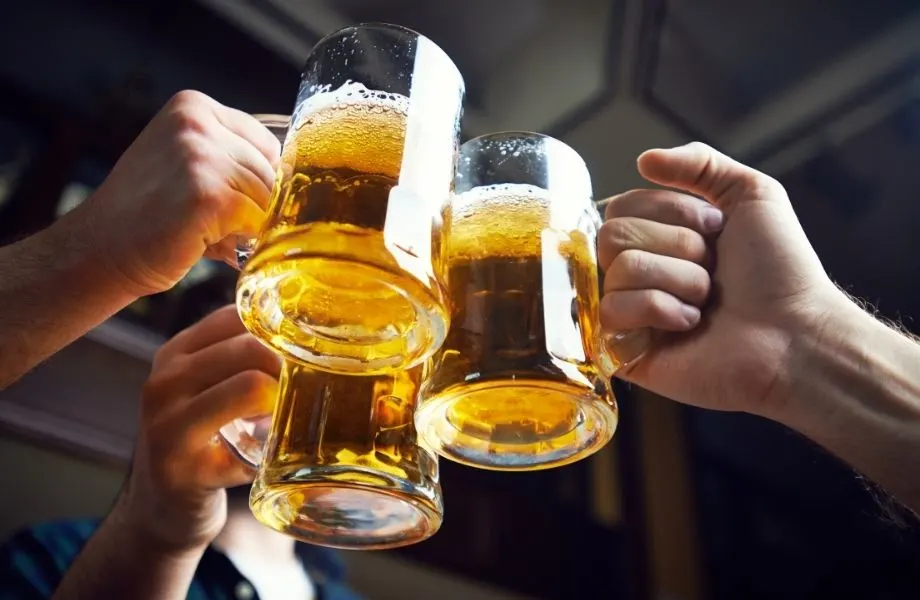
(251, 346)
(204, 194)
(615, 204)
(153, 388)
(252, 382)
(698, 146)
(619, 233)
(699, 285)
(161, 382)
(768, 186)
(185, 99)
(194, 148)
(609, 311)
(273, 144)
(685, 209)
(161, 357)
(635, 263)
(688, 243)
(657, 305)
(187, 118)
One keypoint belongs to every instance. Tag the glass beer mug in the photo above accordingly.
(522, 381)
(340, 465)
(343, 276)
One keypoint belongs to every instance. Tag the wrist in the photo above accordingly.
(152, 533)
(95, 252)
(74, 241)
(845, 368)
(812, 338)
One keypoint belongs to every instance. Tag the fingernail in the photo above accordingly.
(713, 219)
(691, 314)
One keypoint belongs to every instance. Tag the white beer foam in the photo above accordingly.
(349, 94)
(511, 195)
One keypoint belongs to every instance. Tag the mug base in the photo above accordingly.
(313, 304)
(323, 509)
(516, 425)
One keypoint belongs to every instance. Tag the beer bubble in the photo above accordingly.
(499, 220)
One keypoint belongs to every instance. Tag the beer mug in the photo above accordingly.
(344, 275)
(523, 380)
(341, 466)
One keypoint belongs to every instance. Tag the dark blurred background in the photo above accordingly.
(824, 95)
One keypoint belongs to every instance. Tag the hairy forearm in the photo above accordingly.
(855, 389)
(119, 562)
(53, 289)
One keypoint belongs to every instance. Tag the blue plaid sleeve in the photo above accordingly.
(33, 561)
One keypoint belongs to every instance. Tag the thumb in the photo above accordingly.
(703, 171)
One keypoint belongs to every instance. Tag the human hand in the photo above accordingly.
(204, 377)
(198, 173)
(767, 285)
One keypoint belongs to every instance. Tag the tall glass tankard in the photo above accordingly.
(344, 276)
(523, 379)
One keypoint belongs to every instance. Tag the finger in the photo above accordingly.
(631, 233)
(222, 324)
(639, 270)
(242, 216)
(233, 250)
(254, 175)
(634, 309)
(245, 395)
(224, 250)
(668, 207)
(218, 362)
(701, 170)
(216, 467)
(253, 132)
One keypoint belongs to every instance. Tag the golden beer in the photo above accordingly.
(343, 277)
(323, 269)
(342, 466)
(522, 381)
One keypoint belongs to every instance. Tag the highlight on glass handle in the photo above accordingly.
(245, 246)
(625, 348)
(246, 438)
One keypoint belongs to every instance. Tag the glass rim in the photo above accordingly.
(273, 120)
(393, 28)
(379, 25)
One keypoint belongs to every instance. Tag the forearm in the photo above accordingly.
(855, 389)
(118, 562)
(53, 289)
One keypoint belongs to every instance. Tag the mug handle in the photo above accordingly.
(246, 439)
(246, 245)
(625, 348)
